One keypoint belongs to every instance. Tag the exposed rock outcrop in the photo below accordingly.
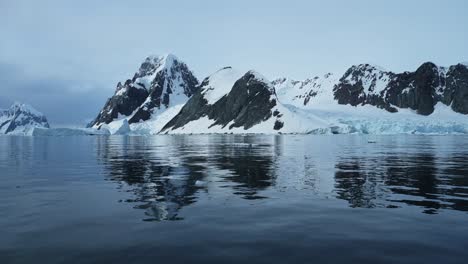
(245, 103)
(420, 90)
(161, 82)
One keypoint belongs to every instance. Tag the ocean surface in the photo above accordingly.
(234, 199)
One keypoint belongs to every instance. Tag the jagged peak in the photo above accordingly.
(366, 67)
(167, 60)
(459, 66)
(366, 72)
(155, 63)
(17, 107)
(161, 58)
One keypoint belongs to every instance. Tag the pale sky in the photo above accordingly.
(65, 57)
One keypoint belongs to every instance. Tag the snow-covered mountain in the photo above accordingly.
(420, 90)
(165, 97)
(229, 101)
(367, 84)
(162, 82)
(369, 99)
(21, 119)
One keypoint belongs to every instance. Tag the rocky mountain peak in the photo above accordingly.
(364, 72)
(160, 83)
(459, 67)
(156, 63)
(426, 67)
(254, 77)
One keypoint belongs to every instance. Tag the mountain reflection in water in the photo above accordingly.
(167, 173)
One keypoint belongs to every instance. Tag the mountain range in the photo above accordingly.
(164, 96)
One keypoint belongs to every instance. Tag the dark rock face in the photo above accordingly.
(160, 82)
(123, 103)
(278, 125)
(249, 102)
(457, 88)
(420, 90)
(21, 117)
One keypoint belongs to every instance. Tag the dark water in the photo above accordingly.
(234, 199)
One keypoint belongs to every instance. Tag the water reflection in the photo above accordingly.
(161, 184)
(249, 165)
(165, 174)
(424, 180)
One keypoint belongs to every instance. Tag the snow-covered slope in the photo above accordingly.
(302, 94)
(229, 102)
(21, 119)
(162, 82)
(219, 84)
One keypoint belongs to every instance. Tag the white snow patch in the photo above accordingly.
(302, 94)
(220, 84)
(156, 123)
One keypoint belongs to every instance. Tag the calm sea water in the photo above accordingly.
(234, 199)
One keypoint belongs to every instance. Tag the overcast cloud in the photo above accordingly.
(65, 57)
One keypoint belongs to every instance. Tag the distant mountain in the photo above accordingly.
(160, 83)
(21, 119)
